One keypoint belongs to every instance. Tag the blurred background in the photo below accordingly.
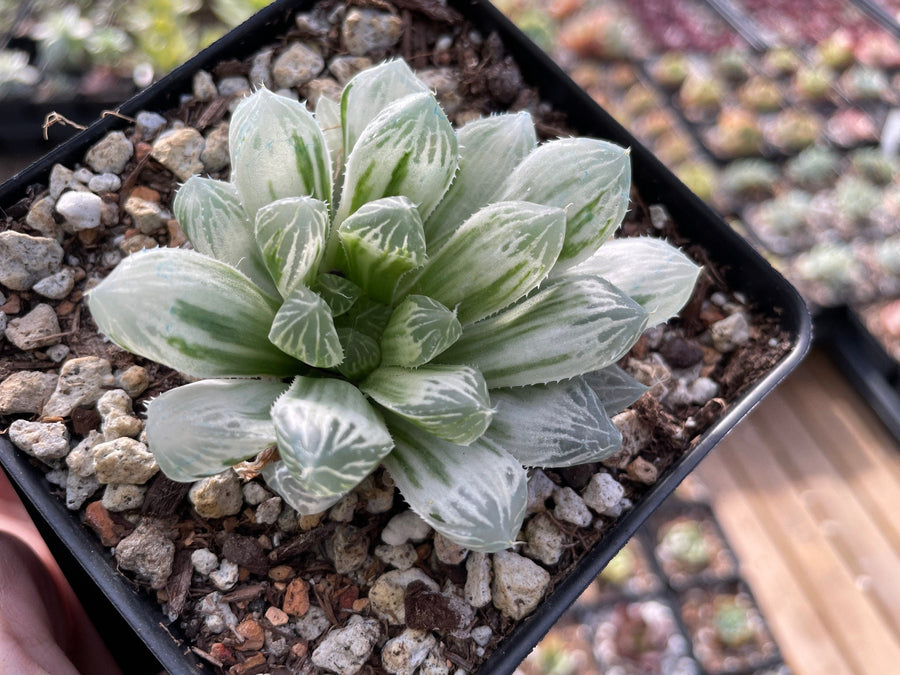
(782, 553)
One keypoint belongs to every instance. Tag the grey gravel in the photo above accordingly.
(204, 561)
(540, 489)
(204, 87)
(39, 328)
(217, 496)
(518, 584)
(123, 497)
(40, 217)
(404, 527)
(215, 151)
(261, 69)
(478, 579)
(400, 557)
(312, 624)
(570, 507)
(448, 552)
(345, 650)
(105, 182)
(56, 286)
(345, 67)
(365, 31)
(296, 66)
(147, 552)
(225, 576)
(79, 489)
(25, 260)
(81, 382)
(730, 333)
(545, 541)
(218, 614)
(148, 124)
(603, 493)
(110, 154)
(235, 86)
(124, 460)
(60, 179)
(134, 380)
(26, 391)
(57, 353)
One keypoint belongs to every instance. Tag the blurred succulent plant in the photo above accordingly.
(732, 622)
(887, 254)
(864, 83)
(873, 165)
(700, 176)
(731, 63)
(760, 94)
(813, 83)
(749, 177)
(701, 92)
(815, 167)
(832, 264)
(784, 215)
(15, 73)
(671, 69)
(856, 197)
(737, 133)
(836, 51)
(61, 36)
(780, 61)
(451, 307)
(234, 12)
(794, 129)
(685, 543)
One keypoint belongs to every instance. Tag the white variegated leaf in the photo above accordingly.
(361, 354)
(553, 425)
(490, 149)
(419, 329)
(474, 495)
(651, 271)
(304, 328)
(277, 150)
(497, 256)
(588, 178)
(340, 293)
(616, 388)
(571, 326)
(451, 402)
(203, 428)
(382, 241)
(304, 502)
(329, 437)
(291, 234)
(408, 150)
(371, 91)
(210, 213)
(191, 313)
(328, 115)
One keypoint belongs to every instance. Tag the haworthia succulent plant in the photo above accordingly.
(374, 288)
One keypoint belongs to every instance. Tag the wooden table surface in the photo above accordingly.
(807, 490)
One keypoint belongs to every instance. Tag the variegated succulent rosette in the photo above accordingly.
(374, 287)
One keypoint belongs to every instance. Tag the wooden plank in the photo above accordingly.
(855, 625)
(870, 465)
(834, 505)
(802, 637)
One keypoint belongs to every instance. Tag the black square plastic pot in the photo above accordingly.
(90, 567)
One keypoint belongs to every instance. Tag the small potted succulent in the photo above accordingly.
(371, 286)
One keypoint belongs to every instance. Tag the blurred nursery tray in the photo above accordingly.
(727, 630)
(689, 546)
(631, 574)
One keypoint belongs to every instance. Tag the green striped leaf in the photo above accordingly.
(490, 149)
(408, 150)
(474, 495)
(304, 502)
(616, 388)
(588, 178)
(382, 241)
(361, 354)
(553, 425)
(191, 313)
(291, 234)
(338, 292)
(304, 328)
(419, 329)
(571, 326)
(277, 150)
(367, 316)
(655, 274)
(329, 437)
(498, 255)
(370, 92)
(450, 402)
(210, 213)
(205, 427)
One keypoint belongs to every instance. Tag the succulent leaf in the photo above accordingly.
(368, 317)
(291, 234)
(419, 329)
(229, 422)
(382, 241)
(588, 178)
(489, 150)
(328, 116)
(214, 221)
(508, 249)
(304, 328)
(655, 274)
(451, 402)
(408, 150)
(474, 495)
(279, 478)
(264, 167)
(553, 425)
(361, 354)
(616, 388)
(329, 437)
(569, 327)
(194, 314)
(371, 91)
(338, 292)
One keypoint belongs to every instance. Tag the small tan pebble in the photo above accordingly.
(642, 471)
(277, 617)
(65, 308)
(137, 242)
(253, 635)
(281, 573)
(360, 604)
(176, 235)
(134, 380)
(296, 598)
(309, 522)
(300, 649)
(145, 193)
